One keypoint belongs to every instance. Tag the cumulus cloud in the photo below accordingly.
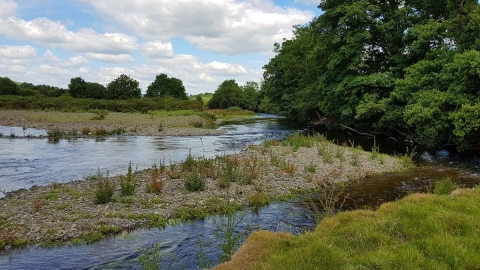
(221, 68)
(110, 58)
(310, 2)
(88, 40)
(158, 49)
(17, 52)
(78, 61)
(230, 26)
(9, 8)
(51, 33)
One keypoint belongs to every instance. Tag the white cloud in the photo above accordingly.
(109, 58)
(9, 8)
(40, 30)
(229, 26)
(158, 49)
(316, 2)
(221, 68)
(87, 40)
(53, 70)
(78, 61)
(17, 52)
(50, 33)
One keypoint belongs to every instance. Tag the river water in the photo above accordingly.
(25, 162)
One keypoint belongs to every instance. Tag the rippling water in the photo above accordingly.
(25, 162)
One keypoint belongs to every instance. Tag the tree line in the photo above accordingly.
(406, 69)
(123, 87)
(228, 94)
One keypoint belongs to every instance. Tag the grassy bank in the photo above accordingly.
(421, 231)
(102, 122)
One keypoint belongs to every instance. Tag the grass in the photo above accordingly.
(444, 186)
(421, 231)
(104, 189)
(128, 182)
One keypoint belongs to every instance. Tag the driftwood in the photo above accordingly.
(356, 131)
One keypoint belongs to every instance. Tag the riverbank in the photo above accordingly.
(61, 213)
(175, 123)
(420, 231)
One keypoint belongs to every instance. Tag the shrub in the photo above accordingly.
(128, 182)
(104, 189)
(194, 182)
(85, 130)
(196, 123)
(444, 186)
(189, 164)
(156, 186)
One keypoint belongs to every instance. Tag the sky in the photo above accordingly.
(201, 42)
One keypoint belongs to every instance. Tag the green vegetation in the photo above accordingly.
(104, 189)
(165, 86)
(444, 186)
(82, 105)
(406, 70)
(230, 95)
(128, 182)
(421, 231)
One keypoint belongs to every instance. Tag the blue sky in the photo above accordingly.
(201, 42)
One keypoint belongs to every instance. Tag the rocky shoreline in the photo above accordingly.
(62, 213)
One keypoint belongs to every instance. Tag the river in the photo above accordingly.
(25, 162)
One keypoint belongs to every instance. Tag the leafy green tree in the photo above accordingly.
(228, 94)
(123, 87)
(251, 96)
(95, 90)
(394, 67)
(8, 87)
(77, 87)
(165, 86)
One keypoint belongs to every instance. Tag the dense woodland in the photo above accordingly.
(406, 69)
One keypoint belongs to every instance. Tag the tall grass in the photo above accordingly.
(104, 189)
(421, 231)
(128, 182)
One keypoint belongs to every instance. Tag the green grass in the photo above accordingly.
(444, 186)
(421, 231)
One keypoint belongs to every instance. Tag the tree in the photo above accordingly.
(165, 86)
(228, 94)
(123, 87)
(95, 90)
(401, 68)
(8, 87)
(77, 87)
(251, 96)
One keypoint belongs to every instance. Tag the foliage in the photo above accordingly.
(194, 181)
(421, 231)
(128, 182)
(8, 87)
(79, 104)
(165, 86)
(444, 186)
(228, 235)
(408, 71)
(228, 94)
(104, 189)
(149, 259)
(123, 87)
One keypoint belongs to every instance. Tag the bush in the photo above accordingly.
(444, 186)
(104, 189)
(194, 182)
(128, 182)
